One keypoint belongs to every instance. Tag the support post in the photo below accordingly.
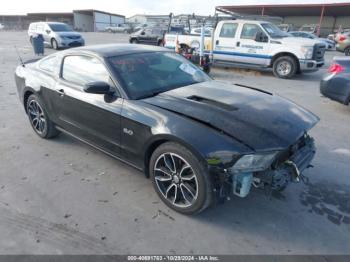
(263, 11)
(320, 22)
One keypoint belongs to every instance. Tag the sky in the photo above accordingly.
(131, 7)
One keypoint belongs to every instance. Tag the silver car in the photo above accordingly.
(56, 35)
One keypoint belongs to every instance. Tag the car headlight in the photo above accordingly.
(63, 37)
(254, 162)
(307, 51)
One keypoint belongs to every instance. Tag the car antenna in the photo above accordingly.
(19, 57)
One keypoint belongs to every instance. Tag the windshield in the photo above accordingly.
(274, 31)
(147, 74)
(60, 28)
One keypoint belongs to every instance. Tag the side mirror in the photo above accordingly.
(97, 88)
(143, 33)
(48, 31)
(261, 37)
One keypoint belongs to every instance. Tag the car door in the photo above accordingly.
(249, 49)
(94, 118)
(225, 45)
(147, 37)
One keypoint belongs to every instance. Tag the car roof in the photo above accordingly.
(110, 50)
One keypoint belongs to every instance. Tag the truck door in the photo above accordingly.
(225, 42)
(253, 45)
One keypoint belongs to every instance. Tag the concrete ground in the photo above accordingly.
(62, 197)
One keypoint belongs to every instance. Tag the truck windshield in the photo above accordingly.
(148, 74)
(60, 28)
(274, 31)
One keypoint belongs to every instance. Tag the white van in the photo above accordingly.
(56, 35)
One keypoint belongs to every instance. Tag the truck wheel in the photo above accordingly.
(347, 51)
(134, 41)
(285, 67)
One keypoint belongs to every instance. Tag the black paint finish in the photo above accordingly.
(213, 119)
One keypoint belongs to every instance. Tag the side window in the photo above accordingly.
(40, 28)
(84, 69)
(249, 31)
(49, 64)
(148, 31)
(228, 30)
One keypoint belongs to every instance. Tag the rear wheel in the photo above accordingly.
(160, 43)
(134, 41)
(180, 179)
(39, 119)
(285, 67)
(347, 51)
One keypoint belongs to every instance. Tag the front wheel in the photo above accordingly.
(39, 119)
(180, 179)
(347, 51)
(285, 67)
(134, 41)
(54, 44)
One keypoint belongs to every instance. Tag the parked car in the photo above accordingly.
(343, 43)
(197, 31)
(339, 33)
(336, 83)
(152, 36)
(256, 44)
(120, 28)
(286, 27)
(199, 140)
(56, 35)
(330, 44)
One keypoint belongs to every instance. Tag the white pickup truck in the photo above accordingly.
(256, 44)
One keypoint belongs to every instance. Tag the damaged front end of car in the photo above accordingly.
(272, 171)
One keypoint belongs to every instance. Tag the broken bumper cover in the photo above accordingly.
(288, 167)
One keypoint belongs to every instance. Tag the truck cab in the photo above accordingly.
(263, 44)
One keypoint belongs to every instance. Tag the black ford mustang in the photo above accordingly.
(198, 139)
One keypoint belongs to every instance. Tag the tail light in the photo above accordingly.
(335, 68)
(342, 38)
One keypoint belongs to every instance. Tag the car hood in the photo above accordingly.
(298, 41)
(72, 33)
(256, 118)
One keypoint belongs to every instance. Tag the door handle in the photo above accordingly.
(238, 43)
(60, 92)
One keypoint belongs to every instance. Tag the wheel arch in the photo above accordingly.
(278, 55)
(26, 94)
(157, 141)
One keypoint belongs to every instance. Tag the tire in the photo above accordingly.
(185, 190)
(134, 41)
(160, 43)
(285, 67)
(54, 44)
(347, 51)
(43, 127)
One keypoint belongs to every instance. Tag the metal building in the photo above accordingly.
(83, 20)
(328, 17)
(94, 20)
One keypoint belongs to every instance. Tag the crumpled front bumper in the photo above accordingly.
(288, 167)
